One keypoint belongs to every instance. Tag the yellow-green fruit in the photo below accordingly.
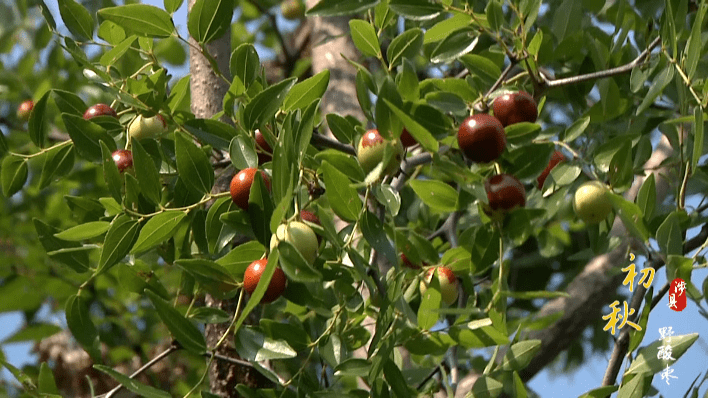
(591, 202)
(447, 280)
(371, 149)
(299, 235)
(147, 127)
(292, 9)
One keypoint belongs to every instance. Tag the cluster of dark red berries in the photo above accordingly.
(482, 139)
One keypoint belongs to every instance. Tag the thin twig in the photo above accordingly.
(234, 361)
(603, 73)
(322, 141)
(145, 367)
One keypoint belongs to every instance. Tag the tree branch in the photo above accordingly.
(322, 141)
(145, 367)
(545, 82)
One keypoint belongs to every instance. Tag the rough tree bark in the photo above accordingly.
(207, 94)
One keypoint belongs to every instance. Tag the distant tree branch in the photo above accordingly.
(289, 58)
(145, 367)
(550, 83)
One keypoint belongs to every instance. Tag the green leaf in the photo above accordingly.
(307, 91)
(656, 88)
(78, 261)
(388, 197)
(344, 199)
(633, 388)
(132, 384)
(210, 19)
(295, 266)
(13, 173)
(172, 5)
(265, 104)
(418, 131)
(252, 345)
(184, 331)
(119, 240)
(697, 136)
(218, 233)
(209, 315)
(692, 52)
(569, 12)
(647, 360)
(358, 367)
(341, 128)
(84, 231)
(260, 209)
(77, 19)
(111, 56)
(417, 10)
(429, 304)
(478, 334)
(374, 233)
(486, 387)
(669, 235)
(46, 383)
(455, 45)
(59, 161)
(364, 37)
(212, 277)
(600, 392)
(193, 165)
(146, 173)
(141, 19)
(522, 133)
(405, 45)
(157, 230)
(111, 174)
(237, 260)
(520, 355)
(495, 15)
(436, 194)
(111, 33)
(440, 30)
(631, 216)
(37, 122)
(245, 64)
(19, 375)
(80, 324)
(213, 132)
(87, 137)
(330, 8)
(646, 198)
(33, 332)
(395, 378)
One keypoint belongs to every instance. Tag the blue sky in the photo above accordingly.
(546, 384)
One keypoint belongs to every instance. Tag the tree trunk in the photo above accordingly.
(207, 94)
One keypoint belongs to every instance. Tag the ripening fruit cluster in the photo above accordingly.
(482, 139)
